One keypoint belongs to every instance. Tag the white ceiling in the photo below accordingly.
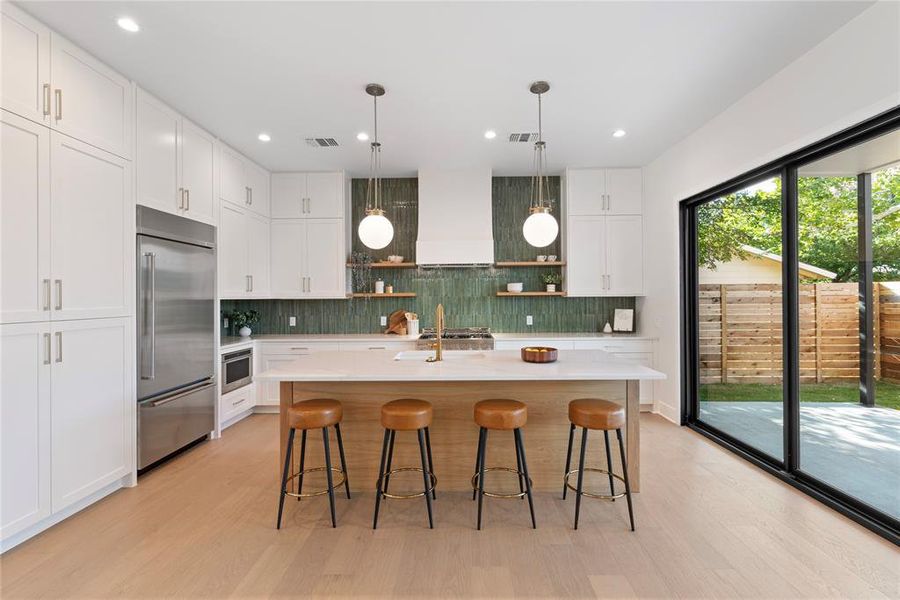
(658, 70)
(873, 155)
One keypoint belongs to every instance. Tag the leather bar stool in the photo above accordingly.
(406, 415)
(501, 415)
(605, 416)
(313, 414)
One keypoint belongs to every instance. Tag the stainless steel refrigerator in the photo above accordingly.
(176, 275)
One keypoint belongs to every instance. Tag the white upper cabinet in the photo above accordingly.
(586, 256)
(92, 224)
(308, 195)
(24, 220)
(198, 151)
(24, 425)
(242, 182)
(603, 192)
(288, 258)
(257, 188)
(25, 83)
(243, 253)
(624, 255)
(92, 407)
(156, 157)
(258, 252)
(91, 102)
(308, 258)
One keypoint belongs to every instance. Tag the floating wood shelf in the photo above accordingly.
(531, 293)
(386, 265)
(393, 295)
(530, 263)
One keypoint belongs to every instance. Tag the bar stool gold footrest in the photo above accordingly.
(519, 475)
(334, 484)
(406, 496)
(611, 497)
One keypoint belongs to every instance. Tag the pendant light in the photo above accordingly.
(540, 228)
(375, 230)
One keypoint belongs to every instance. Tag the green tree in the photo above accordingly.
(827, 224)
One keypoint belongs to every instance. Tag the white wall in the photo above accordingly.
(850, 76)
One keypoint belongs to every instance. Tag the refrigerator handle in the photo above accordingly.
(150, 316)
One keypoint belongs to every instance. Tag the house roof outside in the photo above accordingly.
(805, 269)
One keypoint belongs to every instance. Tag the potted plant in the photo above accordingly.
(551, 280)
(243, 319)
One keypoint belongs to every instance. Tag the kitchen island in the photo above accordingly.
(363, 381)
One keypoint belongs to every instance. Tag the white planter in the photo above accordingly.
(245, 331)
(551, 287)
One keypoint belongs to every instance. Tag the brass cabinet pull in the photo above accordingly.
(58, 93)
(46, 99)
(46, 348)
(47, 294)
(59, 354)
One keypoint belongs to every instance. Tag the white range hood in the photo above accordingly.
(455, 218)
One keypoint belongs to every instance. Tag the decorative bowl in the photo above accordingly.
(395, 259)
(515, 288)
(539, 354)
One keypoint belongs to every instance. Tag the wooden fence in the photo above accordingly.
(741, 334)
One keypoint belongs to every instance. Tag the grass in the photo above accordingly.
(887, 395)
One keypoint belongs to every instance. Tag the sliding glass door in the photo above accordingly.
(791, 307)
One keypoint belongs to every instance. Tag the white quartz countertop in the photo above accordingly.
(492, 365)
(228, 341)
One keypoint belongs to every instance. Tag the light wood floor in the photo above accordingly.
(709, 525)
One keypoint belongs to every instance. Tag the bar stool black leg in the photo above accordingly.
(519, 475)
(302, 462)
(384, 447)
(340, 441)
(284, 476)
(477, 461)
(482, 442)
(568, 458)
(521, 445)
(580, 474)
(426, 477)
(625, 477)
(328, 473)
(390, 459)
(612, 487)
(430, 464)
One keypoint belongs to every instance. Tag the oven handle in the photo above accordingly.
(196, 388)
(232, 359)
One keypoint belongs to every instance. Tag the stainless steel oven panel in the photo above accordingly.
(237, 370)
(171, 422)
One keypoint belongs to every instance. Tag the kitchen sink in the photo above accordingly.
(448, 354)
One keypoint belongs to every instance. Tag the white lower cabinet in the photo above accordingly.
(275, 354)
(66, 412)
(24, 426)
(236, 402)
(519, 344)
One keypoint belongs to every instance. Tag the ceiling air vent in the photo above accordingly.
(322, 142)
(523, 137)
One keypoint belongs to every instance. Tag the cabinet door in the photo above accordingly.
(24, 426)
(584, 191)
(92, 225)
(232, 181)
(92, 407)
(156, 160)
(268, 393)
(198, 150)
(288, 195)
(324, 195)
(624, 189)
(624, 256)
(585, 256)
(25, 78)
(234, 265)
(326, 258)
(258, 182)
(91, 102)
(24, 220)
(288, 258)
(258, 255)
(236, 402)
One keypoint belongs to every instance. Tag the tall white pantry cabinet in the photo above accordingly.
(67, 404)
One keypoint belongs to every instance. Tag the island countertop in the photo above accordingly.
(493, 365)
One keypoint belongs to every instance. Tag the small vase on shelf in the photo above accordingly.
(245, 331)
(551, 287)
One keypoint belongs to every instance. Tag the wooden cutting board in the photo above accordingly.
(397, 322)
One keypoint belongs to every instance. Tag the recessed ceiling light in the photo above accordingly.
(264, 137)
(619, 133)
(128, 24)
(362, 136)
(490, 134)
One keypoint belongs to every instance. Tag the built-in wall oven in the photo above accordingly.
(237, 370)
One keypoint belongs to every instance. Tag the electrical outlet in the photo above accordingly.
(226, 322)
(292, 321)
(383, 321)
(529, 320)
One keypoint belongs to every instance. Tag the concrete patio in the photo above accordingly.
(849, 446)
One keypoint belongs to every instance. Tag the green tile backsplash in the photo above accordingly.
(468, 294)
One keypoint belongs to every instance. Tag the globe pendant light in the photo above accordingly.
(540, 228)
(375, 230)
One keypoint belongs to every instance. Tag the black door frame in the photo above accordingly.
(787, 469)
